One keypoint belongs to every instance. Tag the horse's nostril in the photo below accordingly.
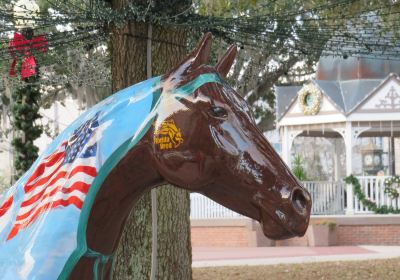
(299, 200)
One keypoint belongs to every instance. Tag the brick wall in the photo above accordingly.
(369, 235)
(350, 230)
(228, 233)
(220, 237)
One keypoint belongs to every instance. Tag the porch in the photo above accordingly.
(333, 202)
(328, 198)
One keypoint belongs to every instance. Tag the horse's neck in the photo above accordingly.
(129, 180)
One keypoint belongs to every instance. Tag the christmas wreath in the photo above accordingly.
(310, 98)
(392, 186)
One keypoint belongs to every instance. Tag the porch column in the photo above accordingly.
(285, 145)
(349, 142)
(288, 137)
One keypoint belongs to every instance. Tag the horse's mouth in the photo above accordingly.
(276, 225)
(277, 231)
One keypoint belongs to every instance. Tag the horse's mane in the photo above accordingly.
(125, 114)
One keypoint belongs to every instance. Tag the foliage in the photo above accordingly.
(64, 73)
(298, 168)
(280, 41)
(366, 202)
(26, 112)
(5, 113)
(290, 45)
(4, 184)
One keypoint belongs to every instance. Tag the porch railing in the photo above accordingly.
(329, 198)
(202, 207)
(374, 189)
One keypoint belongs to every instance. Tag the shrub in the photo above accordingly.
(298, 168)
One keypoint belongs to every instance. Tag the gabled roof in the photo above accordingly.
(333, 92)
(346, 96)
(356, 90)
(374, 90)
(349, 80)
(285, 96)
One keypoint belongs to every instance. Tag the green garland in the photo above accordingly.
(251, 24)
(26, 111)
(366, 202)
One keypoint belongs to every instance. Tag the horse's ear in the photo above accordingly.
(197, 57)
(201, 53)
(225, 63)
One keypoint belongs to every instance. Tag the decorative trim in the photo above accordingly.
(355, 132)
(326, 113)
(310, 91)
(386, 80)
(381, 111)
(389, 101)
(292, 134)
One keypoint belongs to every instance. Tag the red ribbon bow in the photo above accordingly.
(22, 46)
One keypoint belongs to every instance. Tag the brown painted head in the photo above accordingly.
(208, 142)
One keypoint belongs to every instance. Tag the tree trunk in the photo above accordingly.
(128, 45)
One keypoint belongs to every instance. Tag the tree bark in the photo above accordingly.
(128, 51)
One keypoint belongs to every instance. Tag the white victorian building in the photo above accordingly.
(346, 121)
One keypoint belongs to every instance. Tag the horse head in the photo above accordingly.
(208, 142)
(189, 128)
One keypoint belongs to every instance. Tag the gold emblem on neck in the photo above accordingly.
(167, 135)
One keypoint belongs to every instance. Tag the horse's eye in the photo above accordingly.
(218, 112)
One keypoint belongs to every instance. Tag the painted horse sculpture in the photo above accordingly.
(63, 219)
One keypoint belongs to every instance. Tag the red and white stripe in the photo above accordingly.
(54, 184)
(47, 166)
(6, 205)
(5, 211)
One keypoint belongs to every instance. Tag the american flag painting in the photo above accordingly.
(43, 216)
(63, 178)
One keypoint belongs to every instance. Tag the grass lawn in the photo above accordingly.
(352, 270)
